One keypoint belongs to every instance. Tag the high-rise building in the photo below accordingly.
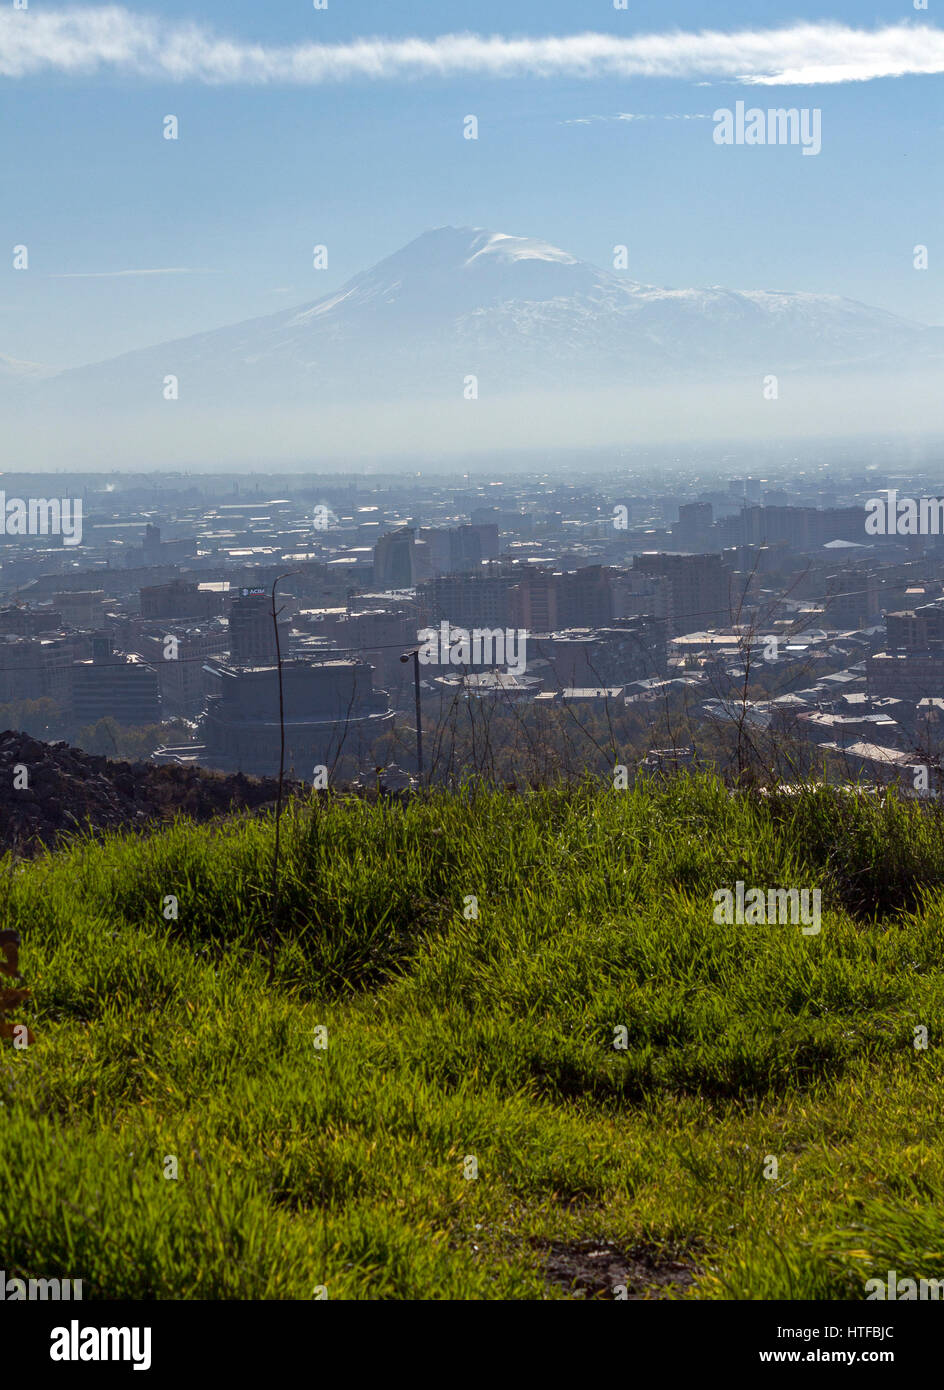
(585, 597)
(803, 528)
(641, 595)
(633, 649)
(180, 599)
(915, 674)
(460, 549)
(180, 663)
(329, 709)
(123, 688)
(700, 590)
(916, 628)
(394, 560)
(471, 600)
(439, 549)
(485, 546)
(692, 531)
(36, 668)
(533, 601)
(81, 608)
(251, 634)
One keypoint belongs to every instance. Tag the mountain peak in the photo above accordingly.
(455, 248)
(461, 270)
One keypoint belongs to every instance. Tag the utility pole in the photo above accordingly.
(416, 694)
(273, 927)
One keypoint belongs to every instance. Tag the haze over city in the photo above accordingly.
(471, 674)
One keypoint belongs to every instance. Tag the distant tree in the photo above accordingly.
(135, 743)
(42, 718)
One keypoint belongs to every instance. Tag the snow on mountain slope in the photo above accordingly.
(515, 311)
(12, 370)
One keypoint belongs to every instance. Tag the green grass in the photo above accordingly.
(452, 1037)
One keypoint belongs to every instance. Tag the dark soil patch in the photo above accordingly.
(69, 792)
(597, 1269)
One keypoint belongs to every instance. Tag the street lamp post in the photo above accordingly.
(415, 654)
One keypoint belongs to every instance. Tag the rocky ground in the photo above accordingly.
(49, 791)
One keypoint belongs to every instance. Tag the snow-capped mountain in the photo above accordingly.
(515, 312)
(12, 370)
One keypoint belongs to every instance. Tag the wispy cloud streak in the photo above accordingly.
(111, 38)
(118, 274)
(636, 116)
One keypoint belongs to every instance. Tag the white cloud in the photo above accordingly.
(634, 116)
(116, 274)
(93, 40)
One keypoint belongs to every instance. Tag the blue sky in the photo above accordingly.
(262, 172)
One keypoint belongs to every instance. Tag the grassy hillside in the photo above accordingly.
(458, 1043)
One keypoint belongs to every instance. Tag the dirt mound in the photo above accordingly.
(598, 1269)
(50, 790)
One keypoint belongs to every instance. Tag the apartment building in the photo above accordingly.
(122, 687)
(329, 708)
(700, 590)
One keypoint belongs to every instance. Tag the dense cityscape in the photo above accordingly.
(751, 601)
